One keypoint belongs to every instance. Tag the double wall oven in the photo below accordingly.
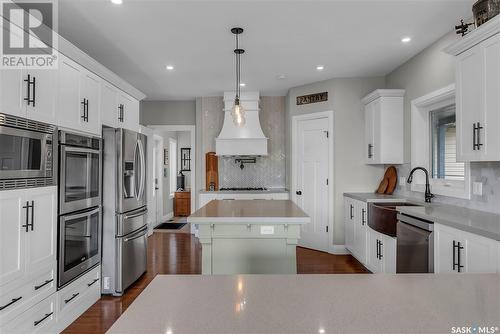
(79, 205)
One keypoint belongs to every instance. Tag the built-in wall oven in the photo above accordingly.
(80, 215)
(79, 243)
(80, 172)
(27, 153)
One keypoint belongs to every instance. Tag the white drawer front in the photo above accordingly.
(14, 301)
(40, 318)
(71, 294)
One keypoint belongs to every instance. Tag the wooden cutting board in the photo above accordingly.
(389, 182)
(211, 170)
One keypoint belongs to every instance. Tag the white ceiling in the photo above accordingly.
(352, 38)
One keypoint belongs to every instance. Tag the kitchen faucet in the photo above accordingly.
(428, 194)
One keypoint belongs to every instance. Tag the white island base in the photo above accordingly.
(249, 237)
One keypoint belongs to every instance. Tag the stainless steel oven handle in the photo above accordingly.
(138, 214)
(79, 149)
(137, 235)
(80, 215)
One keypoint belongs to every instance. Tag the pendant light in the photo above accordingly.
(237, 111)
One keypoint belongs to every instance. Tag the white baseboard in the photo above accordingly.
(339, 250)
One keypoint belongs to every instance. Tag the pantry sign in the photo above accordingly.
(312, 98)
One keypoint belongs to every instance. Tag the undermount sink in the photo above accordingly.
(382, 217)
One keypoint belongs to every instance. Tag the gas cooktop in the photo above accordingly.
(243, 189)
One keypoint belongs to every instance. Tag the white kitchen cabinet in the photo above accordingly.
(41, 318)
(78, 95)
(381, 252)
(360, 231)
(349, 223)
(384, 126)
(477, 97)
(28, 220)
(12, 236)
(110, 111)
(129, 112)
(34, 98)
(459, 251)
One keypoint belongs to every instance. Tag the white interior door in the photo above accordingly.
(158, 170)
(312, 190)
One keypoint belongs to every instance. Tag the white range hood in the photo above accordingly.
(248, 140)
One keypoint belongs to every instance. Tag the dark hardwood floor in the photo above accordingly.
(180, 254)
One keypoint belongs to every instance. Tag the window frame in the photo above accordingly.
(421, 146)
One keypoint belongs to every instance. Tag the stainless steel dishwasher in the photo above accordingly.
(415, 245)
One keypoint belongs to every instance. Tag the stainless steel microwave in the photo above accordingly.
(27, 153)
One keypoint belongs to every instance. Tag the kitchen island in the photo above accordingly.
(413, 303)
(249, 236)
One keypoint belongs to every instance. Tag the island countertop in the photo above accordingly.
(249, 212)
(413, 303)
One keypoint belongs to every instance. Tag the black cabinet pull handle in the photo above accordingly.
(299, 193)
(87, 109)
(37, 287)
(459, 247)
(36, 323)
(474, 137)
(29, 83)
(34, 91)
(363, 219)
(27, 225)
(478, 134)
(83, 104)
(351, 211)
(380, 244)
(454, 257)
(32, 215)
(93, 282)
(377, 250)
(72, 297)
(11, 302)
(370, 151)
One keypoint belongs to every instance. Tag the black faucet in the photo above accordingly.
(428, 195)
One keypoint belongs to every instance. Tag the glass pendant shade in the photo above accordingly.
(238, 113)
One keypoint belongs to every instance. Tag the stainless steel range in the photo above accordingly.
(125, 212)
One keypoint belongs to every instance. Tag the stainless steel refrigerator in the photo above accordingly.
(124, 209)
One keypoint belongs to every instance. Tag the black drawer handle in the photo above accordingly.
(72, 297)
(12, 302)
(44, 284)
(36, 323)
(93, 282)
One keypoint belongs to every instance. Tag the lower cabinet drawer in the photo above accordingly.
(72, 293)
(16, 300)
(41, 318)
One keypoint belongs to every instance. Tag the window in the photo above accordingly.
(434, 145)
(172, 148)
(444, 145)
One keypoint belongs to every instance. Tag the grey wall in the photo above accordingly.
(351, 173)
(428, 71)
(168, 112)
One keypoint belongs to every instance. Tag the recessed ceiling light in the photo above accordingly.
(281, 76)
(406, 39)
(170, 67)
(320, 68)
(117, 2)
(242, 84)
(321, 331)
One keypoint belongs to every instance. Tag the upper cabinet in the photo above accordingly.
(118, 109)
(478, 98)
(384, 127)
(29, 94)
(78, 94)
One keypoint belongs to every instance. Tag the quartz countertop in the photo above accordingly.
(478, 222)
(373, 197)
(410, 303)
(249, 212)
(268, 191)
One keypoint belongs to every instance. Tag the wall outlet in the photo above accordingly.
(402, 181)
(477, 188)
(106, 283)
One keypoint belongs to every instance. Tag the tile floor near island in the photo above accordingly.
(179, 253)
